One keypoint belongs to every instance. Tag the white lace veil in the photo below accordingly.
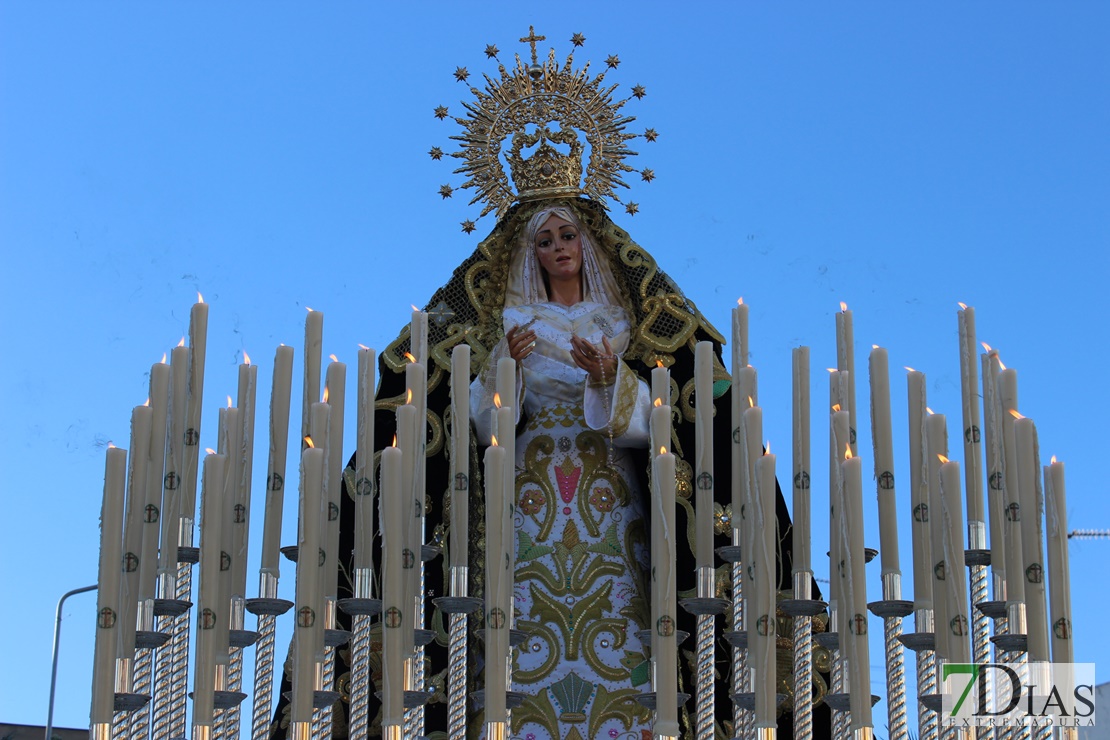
(526, 284)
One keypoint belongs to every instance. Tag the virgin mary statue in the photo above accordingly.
(586, 314)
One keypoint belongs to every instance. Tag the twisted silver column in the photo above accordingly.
(456, 679)
(263, 677)
(322, 718)
(841, 727)
(359, 725)
(705, 682)
(737, 654)
(926, 686)
(163, 682)
(895, 680)
(803, 678)
(179, 690)
(980, 628)
(144, 677)
(234, 683)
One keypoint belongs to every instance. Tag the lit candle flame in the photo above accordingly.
(229, 404)
(494, 438)
(308, 441)
(147, 401)
(200, 298)
(209, 450)
(767, 448)
(333, 358)
(659, 363)
(410, 357)
(1015, 414)
(414, 308)
(111, 445)
(394, 440)
(836, 407)
(847, 451)
(740, 301)
(163, 358)
(658, 402)
(874, 346)
(662, 450)
(986, 346)
(182, 342)
(909, 368)
(751, 403)
(325, 394)
(497, 400)
(1052, 461)
(929, 410)
(831, 369)
(843, 306)
(306, 308)
(963, 306)
(362, 346)
(246, 358)
(1001, 364)
(942, 459)
(408, 396)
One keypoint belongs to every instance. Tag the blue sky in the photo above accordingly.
(274, 156)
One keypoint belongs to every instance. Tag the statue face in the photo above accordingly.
(559, 248)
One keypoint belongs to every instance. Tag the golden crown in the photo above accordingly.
(523, 107)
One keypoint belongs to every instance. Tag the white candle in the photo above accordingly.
(336, 390)
(246, 402)
(308, 619)
(762, 641)
(313, 343)
(951, 520)
(661, 429)
(882, 442)
(839, 434)
(506, 382)
(753, 450)
(497, 572)
(418, 336)
(393, 511)
(801, 461)
(747, 387)
(407, 443)
(1006, 388)
(996, 500)
(1032, 534)
(364, 462)
(275, 467)
(740, 352)
(211, 609)
(919, 496)
(846, 362)
(664, 601)
(1059, 568)
(141, 420)
(230, 433)
(660, 388)
(460, 457)
(969, 388)
(198, 342)
(703, 468)
(156, 463)
(108, 580)
(506, 418)
(854, 599)
(936, 445)
(319, 427)
(172, 481)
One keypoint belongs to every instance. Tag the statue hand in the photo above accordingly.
(601, 365)
(521, 343)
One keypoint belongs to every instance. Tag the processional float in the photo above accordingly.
(150, 632)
